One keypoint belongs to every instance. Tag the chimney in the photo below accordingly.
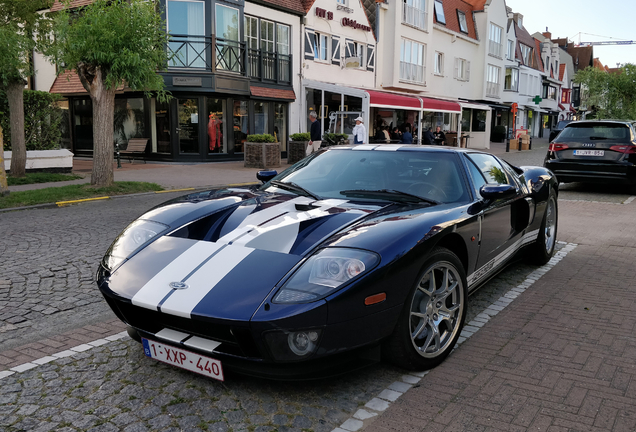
(518, 19)
(547, 34)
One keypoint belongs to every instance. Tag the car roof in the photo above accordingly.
(626, 122)
(404, 147)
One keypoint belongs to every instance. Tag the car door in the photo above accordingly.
(502, 221)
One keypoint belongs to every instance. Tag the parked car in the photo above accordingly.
(558, 128)
(594, 151)
(353, 252)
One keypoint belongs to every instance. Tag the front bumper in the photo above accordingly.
(624, 173)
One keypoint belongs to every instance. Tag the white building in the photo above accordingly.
(551, 84)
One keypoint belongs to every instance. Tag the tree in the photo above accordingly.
(4, 188)
(20, 25)
(611, 94)
(111, 43)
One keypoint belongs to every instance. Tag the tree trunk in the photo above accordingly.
(4, 188)
(103, 118)
(15, 95)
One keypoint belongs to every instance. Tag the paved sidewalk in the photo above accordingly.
(561, 357)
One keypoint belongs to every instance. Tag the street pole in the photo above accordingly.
(4, 187)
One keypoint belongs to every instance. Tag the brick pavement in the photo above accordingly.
(561, 357)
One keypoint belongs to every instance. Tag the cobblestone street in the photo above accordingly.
(77, 371)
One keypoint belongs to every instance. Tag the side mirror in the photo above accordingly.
(497, 191)
(266, 175)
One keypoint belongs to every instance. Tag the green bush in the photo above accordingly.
(336, 136)
(261, 138)
(498, 134)
(42, 120)
(302, 136)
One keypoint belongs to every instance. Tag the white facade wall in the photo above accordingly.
(295, 49)
(494, 13)
(44, 72)
(455, 46)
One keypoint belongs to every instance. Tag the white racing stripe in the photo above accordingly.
(499, 259)
(389, 147)
(182, 302)
(157, 288)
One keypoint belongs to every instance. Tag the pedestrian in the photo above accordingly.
(359, 132)
(315, 137)
(396, 135)
(407, 138)
(428, 137)
(440, 138)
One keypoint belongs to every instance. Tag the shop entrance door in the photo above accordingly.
(188, 130)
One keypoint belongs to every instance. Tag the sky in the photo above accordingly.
(603, 20)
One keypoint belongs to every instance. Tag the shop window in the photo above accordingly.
(129, 120)
(466, 116)
(217, 139)
(161, 140)
(261, 117)
(280, 124)
(479, 121)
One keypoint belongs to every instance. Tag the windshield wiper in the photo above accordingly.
(291, 186)
(391, 194)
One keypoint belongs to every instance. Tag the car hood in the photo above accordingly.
(225, 264)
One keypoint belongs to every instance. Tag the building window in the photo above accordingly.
(439, 12)
(414, 13)
(268, 49)
(360, 50)
(565, 96)
(229, 55)
(439, 63)
(186, 24)
(412, 61)
(549, 92)
(492, 81)
(462, 69)
(251, 32)
(510, 53)
(463, 26)
(267, 36)
(321, 47)
(495, 40)
(526, 54)
(511, 81)
(342, 2)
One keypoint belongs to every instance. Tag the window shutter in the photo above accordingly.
(335, 50)
(370, 57)
(467, 71)
(351, 49)
(456, 68)
(310, 42)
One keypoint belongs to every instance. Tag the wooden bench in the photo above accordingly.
(135, 146)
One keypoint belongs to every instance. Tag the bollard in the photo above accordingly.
(118, 156)
(507, 145)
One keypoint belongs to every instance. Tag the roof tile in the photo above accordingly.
(452, 21)
(57, 6)
(68, 83)
(273, 93)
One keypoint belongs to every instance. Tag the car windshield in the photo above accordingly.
(596, 131)
(432, 175)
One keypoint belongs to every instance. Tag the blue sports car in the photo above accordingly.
(354, 254)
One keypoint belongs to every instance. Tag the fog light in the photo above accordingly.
(291, 346)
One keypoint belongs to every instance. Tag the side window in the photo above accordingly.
(490, 167)
(475, 173)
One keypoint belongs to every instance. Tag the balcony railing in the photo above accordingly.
(190, 52)
(222, 55)
(269, 66)
(414, 17)
(411, 72)
(492, 89)
(495, 48)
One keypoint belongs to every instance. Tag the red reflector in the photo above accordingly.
(377, 298)
(557, 147)
(624, 148)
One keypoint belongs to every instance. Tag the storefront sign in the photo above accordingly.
(324, 13)
(187, 81)
(354, 24)
(344, 8)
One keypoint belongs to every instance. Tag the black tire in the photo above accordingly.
(543, 249)
(413, 344)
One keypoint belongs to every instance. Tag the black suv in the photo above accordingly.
(594, 151)
(558, 128)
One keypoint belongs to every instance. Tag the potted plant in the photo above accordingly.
(297, 148)
(261, 151)
(337, 138)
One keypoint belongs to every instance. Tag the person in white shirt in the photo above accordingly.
(359, 132)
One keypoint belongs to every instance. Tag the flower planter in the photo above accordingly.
(296, 150)
(262, 155)
(44, 160)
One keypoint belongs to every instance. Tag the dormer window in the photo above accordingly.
(439, 12)
(463, 25)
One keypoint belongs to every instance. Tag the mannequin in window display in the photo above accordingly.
(214, 134)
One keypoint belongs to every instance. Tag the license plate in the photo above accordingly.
(589, 152)
(184, 359)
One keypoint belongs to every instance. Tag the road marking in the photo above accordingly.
(62, 203)
(175, 190)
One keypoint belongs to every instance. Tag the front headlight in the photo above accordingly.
(136, 235)
(324, 272)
